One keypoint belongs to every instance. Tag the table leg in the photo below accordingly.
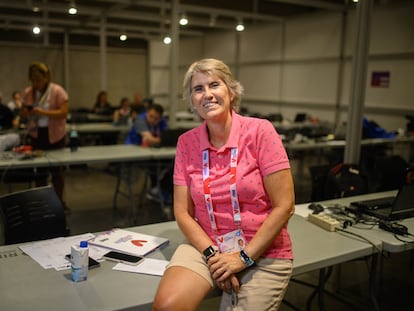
(373, 280)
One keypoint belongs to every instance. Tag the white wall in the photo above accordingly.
(295, 66)
(127, 71)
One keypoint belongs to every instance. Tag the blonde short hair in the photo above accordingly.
(211, 66)
(36, 68)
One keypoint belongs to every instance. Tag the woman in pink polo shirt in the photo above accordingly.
(233, 197)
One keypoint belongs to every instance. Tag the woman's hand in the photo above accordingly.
(230, 284)
(37, 111)
(224, 265)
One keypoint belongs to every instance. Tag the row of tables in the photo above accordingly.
(125, 155)
(314, 248)
(128, 155)
(24, 285)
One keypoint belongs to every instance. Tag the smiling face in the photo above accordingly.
(210, 96)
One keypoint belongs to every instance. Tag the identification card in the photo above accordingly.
(231, 242)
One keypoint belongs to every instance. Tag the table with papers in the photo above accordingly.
(25, 285)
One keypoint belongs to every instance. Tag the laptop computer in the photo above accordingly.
(400, 206)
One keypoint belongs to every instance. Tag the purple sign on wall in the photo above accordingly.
(380, 79)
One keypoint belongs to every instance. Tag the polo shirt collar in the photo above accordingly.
(233, 140)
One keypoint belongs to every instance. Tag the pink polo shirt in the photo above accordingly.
(261, 153)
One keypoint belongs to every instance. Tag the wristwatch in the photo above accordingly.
(246, 259)
(209, 252)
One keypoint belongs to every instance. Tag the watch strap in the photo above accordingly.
(245, 258)
(209, 252)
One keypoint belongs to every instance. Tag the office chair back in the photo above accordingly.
(32, 214)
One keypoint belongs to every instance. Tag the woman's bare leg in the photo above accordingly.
(180, 289)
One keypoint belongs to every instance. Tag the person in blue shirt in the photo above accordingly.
(148, 127)
(146, 132)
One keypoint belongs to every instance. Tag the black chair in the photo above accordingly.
(25, 175)
(32, 214)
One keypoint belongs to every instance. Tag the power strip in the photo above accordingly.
(324, 221)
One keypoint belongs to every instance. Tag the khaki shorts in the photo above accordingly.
(263, 286)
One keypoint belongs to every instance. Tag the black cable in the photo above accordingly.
(363, 238)
(397, 236)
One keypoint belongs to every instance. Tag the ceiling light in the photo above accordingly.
(167, 39)
(72, 10)
(123, 37)
(183, 20)
(239, 26)
(36, 29)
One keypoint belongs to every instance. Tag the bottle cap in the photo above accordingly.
(84, 244)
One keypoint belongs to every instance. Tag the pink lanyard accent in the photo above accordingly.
(233, 190)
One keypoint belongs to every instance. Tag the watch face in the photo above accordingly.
(208, 251)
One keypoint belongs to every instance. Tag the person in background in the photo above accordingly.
(137, 105)
(102, 106)
(6, 116)
(232, 181)
(14, 105)
(45, 107)
(122, 115)
(147, 127)
(146, 132)
(147, 102)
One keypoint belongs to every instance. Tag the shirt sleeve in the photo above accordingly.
(272, 156)
(180, 165)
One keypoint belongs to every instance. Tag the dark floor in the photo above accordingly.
(89, 195)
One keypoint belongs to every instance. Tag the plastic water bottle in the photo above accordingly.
(79, 256)
(73, 140)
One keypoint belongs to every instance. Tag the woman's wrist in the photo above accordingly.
(246, 259)
(209, 252)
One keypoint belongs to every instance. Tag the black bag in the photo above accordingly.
(345, 180)
(390, 172)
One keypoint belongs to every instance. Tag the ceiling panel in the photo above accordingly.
(143, 19)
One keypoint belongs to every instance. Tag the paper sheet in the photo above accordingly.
(51, 253)
(147, 266)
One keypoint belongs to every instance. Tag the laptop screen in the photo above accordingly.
(405, 199)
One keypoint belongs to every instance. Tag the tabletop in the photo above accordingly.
(24, 285)
(87, 155)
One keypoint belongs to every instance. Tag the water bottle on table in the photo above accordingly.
(79, 256)
(73, 140)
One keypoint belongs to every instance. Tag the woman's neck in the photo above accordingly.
(219, 131)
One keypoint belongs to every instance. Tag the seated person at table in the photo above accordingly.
(137, 104)
(102, 106)
(14, 105)
(147, 127)
(235, 228)
(145, 132)
(122, 115)
(6, 117)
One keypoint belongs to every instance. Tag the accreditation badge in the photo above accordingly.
(233, 241)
